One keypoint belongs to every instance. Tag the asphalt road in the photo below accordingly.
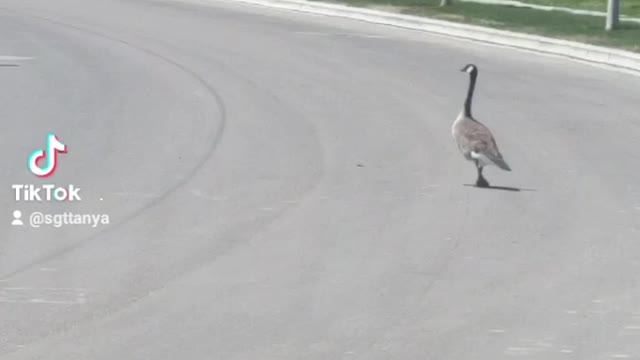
(285, 186)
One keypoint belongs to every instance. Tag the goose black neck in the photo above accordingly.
(472, 86)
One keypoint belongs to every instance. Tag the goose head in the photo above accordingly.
(470, 69)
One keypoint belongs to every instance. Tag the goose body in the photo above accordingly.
(474, 140)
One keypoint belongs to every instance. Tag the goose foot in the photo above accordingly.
(482, 182)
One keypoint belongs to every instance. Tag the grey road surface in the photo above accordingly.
(285, 186)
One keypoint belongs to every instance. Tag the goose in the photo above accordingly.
(474, 140)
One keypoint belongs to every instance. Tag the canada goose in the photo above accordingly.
(474, 139)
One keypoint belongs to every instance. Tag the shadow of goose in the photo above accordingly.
(501, 188)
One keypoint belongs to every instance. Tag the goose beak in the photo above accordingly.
(463, 70)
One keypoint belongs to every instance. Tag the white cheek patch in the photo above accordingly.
(470, 69)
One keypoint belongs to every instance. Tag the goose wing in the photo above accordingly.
(476, 138)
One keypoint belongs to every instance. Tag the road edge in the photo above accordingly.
(624, 60)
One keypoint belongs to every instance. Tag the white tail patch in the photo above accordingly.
(483, 160)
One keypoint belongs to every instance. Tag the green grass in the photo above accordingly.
(582, 28)
(629, 7)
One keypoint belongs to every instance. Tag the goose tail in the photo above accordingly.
(501, 164)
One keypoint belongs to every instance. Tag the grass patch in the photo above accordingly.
(629, 7)
(561, 25)
(582, 28)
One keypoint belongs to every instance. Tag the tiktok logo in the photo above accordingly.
(54, 146)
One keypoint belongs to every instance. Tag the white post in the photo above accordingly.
(613, 14)
(445, 2)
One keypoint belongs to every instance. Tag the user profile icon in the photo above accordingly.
(17, 215)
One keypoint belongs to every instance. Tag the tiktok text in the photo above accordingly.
(48, 193)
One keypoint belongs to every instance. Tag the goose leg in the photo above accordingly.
(481, 181)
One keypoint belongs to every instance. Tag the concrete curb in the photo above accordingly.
(589, 53)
